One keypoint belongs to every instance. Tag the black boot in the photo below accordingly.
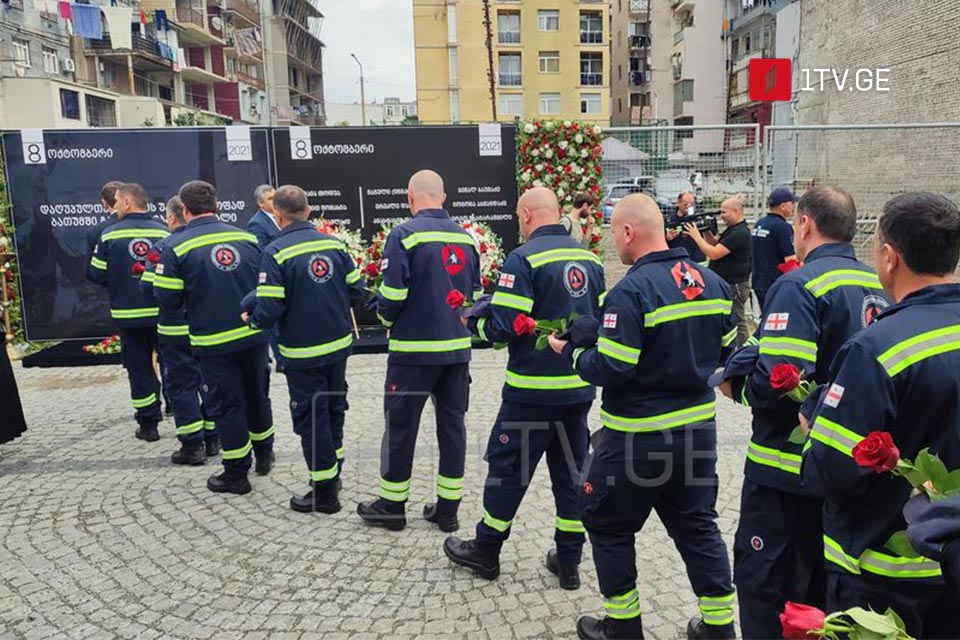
(569, 574)
(609, 629)
(467, 553)
(212, 445)
(446, 522)
(697, 629)
(190, 453)
(265, 462)
(322, 499)
(381, 513)
(147, 433)
(225, 484)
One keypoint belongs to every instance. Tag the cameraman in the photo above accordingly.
(730, 258)
(573, 222)
(676, 238)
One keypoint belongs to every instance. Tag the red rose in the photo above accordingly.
(483, 247)
(11, 293)
(153, 257)
(137, 268)
(524, 325)
(789, 265)
(877, 452)
(798, 620)
(485, 282)
(455, 299)
(372, 270)
(785, 378)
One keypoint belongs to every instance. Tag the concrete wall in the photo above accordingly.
(35, 103)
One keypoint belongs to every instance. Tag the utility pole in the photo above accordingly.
(363, 97)
(488, 26)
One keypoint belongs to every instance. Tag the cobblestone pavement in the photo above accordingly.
(101, 537)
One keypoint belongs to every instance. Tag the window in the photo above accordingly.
(590, 103)
(101, 112)
(511, 104)
(21, 52)
(746, 43)
(591, 69)
(591, 27)
(683, 91)
(549, 62)
(680, 136)
(390, 112)
(548, 20)
(510, 70)
(735, 49)
(508, 27)
(549, 104)
(765, 43)
(51, 63)
(69, 104)
(452, 60)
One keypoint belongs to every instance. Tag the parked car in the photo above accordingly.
(668, 188)
(615, 193)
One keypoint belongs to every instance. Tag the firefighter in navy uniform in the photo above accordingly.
(808, 314)
(545, 404)
(664, 329)
(306, 287)
(425, 259)
(207, 269)
(900, 375)
(108, 200)
(118, 260)
(181, 370)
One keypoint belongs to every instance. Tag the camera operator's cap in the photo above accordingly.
(740, 363)
(780, 195)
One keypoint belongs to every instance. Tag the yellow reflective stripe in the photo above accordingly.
(729, 337)
(446, 237)
(259, 436)
(521, 381)
(481, 329)
(148, 276)
(881, 564)
(743, 392)
(429, 346)
(449, 488)
(673, 419)
(186, 247)
(623, 607)
(569, 526)
(312, 246)
(830, 280)
(236, 454)
(562, 255)
(513, 301)
(791, 347)
(602, 298)
(97, 263)
(717, 611)
(835, 435)
(134, 233)
(354, 276)
(317, 350)
(214, 339)
(268, 291)
(167, 282)
(384, 321)
(394, 294)
(669, 313)
(394, 491)
(340, 453)
(325, 474)
(129, 314)
(920, 347)
(767, 456)
(140, 403)
(496, 523)
(575, 356)
(187, 429)
(173, 330)
(618, 351)
(717, 601)
(209, 425)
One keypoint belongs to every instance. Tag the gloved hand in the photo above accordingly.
(932, 525)
(480, 308)
(582, 331)
(373, 305)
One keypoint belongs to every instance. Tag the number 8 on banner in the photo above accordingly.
(34, 151)
(300, 144)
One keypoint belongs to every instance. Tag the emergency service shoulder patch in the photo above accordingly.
(872, 307)
(575, 279)
(609, 321)
(688, 279)
(834, 395)
(506, 280)
(320, 268)
(262, 277)
(777, 322)
(138, 248)
(454, 259)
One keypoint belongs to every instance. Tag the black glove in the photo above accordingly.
(480, 308)
(582, 331)
(932, 525)
(373, 305)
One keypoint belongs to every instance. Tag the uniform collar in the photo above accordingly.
(549, 230)
(140, 215)
(296, 226)
(179, 229)
(833, 249)
(774, 214)
(209, 219)
(432, 213)
(934, 294)
(661, 256)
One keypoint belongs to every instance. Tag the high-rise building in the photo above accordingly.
(550, 58)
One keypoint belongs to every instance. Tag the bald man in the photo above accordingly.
(676, 238)
(665, 328)
(425, 260)
(545, 404)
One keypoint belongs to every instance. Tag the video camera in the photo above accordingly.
(705, 221)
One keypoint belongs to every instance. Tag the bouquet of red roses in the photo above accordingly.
(107, 346)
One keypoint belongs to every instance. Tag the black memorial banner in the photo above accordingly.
(54, 179)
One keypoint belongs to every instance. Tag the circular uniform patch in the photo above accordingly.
(575, 279)
(872, 307)
(504, 438)
(320, 268)
(587, 489)
(757, 543)
(139, 248)
(225, 257)
(454, 259)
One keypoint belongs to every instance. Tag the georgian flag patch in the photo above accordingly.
(263, 277)
(506, 280)
(159, 270)
(776, 322)
(384, 263)
(609, 321)
(834, 394)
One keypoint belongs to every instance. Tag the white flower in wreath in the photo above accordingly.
(584, 153)
(529, 128)
(567, 124)
(597, 130)
(548, 154)
(538, 183)
(548, 178)
(563, 144)
(538, 167)
(535, 153)
(578, 170)
(526, 176)
(549, 125)
(578, 139)
(561, 193)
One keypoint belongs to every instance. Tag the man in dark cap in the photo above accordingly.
(773, 241)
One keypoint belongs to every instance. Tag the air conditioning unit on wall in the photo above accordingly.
(69, 66)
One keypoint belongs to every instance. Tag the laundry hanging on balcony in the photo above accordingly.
(118, 24)
(86, 21)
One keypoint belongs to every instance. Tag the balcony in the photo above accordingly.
(678, 37)
(639, 78)
(639, 42)
(194, 31)
(251, 80)
(510, 79)
(591, 37)
(591, 79)
(638, 8)
(148, 52)
(198, 75)
(508, 37)
(243, 9)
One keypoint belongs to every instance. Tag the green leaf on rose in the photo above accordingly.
(543, 341)
(797, 436)
(900, 545)
(932, 467)
(878, 624)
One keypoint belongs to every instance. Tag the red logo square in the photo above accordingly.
(771, 79)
